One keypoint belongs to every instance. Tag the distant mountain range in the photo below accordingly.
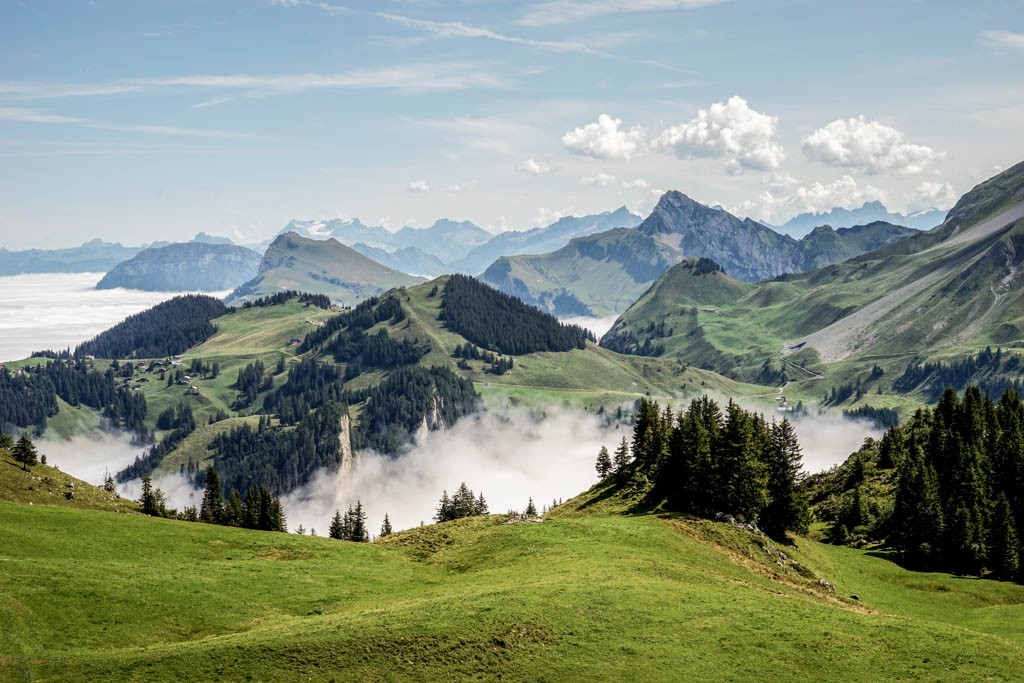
(188, 266)
(940, 294)
(95, 256)
(448, 246)
(293, 262)
(870, 212)
(604, 273)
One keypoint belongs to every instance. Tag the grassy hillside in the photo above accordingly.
(589, 594)
(48, 486)
(326, 267)
(941, 295)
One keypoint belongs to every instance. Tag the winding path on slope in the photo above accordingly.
(836, 341)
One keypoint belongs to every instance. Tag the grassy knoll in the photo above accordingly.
(590, 594)
(44, 485)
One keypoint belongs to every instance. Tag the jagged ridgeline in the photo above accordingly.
(167, 329)
(503, 323)
(945, 490)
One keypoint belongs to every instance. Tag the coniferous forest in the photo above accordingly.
(494, 320)
(945, 490)
(705, 461)
(28, 397)
(167, 329)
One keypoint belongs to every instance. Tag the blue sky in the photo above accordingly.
(135, 121)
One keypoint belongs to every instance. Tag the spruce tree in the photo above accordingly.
(531, 509)
(444, 509)
(24, 453)
(1004, 545)
(621, 462)
(337, 528)
(385, 527)
(604, 463)
(480, 508)
(787, 507)
(211, 510)
(234, 510)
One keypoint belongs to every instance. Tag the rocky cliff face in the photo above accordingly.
(192, 266)
(604, 273)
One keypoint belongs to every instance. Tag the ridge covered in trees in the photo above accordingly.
(167, 329)
(28, 397)
(706, 462)
(319, 300)
(278, 457)
(494, 320)
(946, 489)
(409, 398)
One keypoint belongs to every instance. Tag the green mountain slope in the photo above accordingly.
(589, 594)
(326, 267)
(602, 274)
(936, 296)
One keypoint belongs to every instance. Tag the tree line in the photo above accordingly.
(494, 320)
(167, 329)
(704, 461)
(319, 300)
(29, 397)
(259, 509)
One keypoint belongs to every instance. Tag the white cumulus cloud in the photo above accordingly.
(871, 146)
(932, 195)
(418, 186)
(636, 184)
(605, 139)
(599, 180)
(781, 205)
(534, 167)
(730, 130)
(546, 216)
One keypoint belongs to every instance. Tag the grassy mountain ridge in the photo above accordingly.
(292, 262)
(941, 295)
(589, 594)
(602, 274)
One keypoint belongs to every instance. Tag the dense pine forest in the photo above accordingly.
(167, 329)
(280, 458)
(945, 490)
(29, 396)
(364, 316)
(494, 320)
(408, 399)
(707, 462)
(992, 371)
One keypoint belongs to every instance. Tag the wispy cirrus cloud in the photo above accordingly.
(457, 29)
(415, 77)
(1014, 41)
(19, 115)
(569, 11)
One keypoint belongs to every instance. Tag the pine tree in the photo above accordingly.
(787, 507)
(24, 453)
(531, 509)
(604, 463)
(108, 483)
(444, 509)
(357, 529)
(152, 499)
(385, 527)
(621, 461)
(1004, 546)
(211, 510)
(6, 444)
(234, 510)
(337, 528)
(480, 508)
